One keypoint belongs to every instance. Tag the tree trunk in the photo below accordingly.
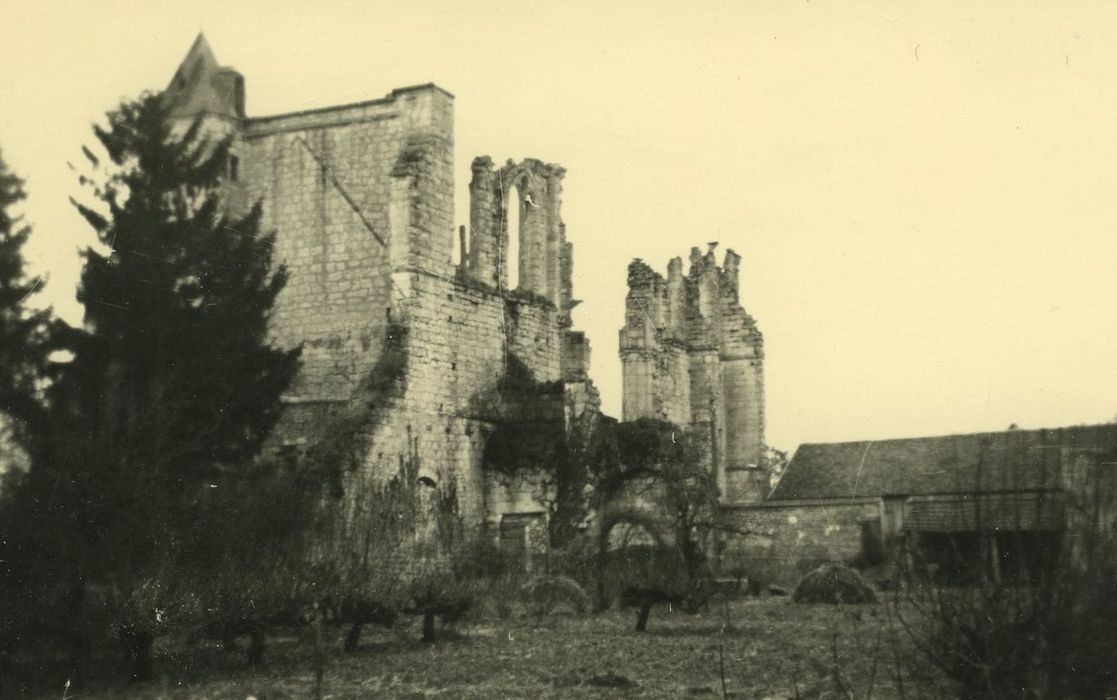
(642, 617)
(79, 636)
(256, 648)
(428, 627)
(141, 644)
(353, 638)
(602, 602)
(319, 654)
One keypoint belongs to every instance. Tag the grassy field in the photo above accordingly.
(772, 649)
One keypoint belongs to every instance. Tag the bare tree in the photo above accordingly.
(1021, 606)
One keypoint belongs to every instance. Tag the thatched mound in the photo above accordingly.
(543, 594)
(834, 584)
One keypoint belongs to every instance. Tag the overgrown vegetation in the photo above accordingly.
(775, 650)
(543, 595)
(541, 436)
(1034, 616)
(346, 436)
(661, 472)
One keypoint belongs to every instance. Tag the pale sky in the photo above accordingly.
(923, 194)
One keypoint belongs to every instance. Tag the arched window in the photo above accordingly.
(513, 207)
(427, 512)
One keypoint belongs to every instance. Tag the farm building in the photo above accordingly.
(960, 502)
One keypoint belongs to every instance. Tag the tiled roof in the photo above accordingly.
(988, 512)
(1015, 460)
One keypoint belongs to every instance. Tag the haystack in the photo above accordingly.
(834, 584)
(543, 594)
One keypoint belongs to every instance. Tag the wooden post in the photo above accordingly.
(995, 552)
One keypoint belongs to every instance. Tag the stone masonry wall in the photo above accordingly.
(456, 357)
(360, 198)
(692, 355)
(330, 181)
(781, 540)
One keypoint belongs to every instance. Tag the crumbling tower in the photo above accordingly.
(693, 356)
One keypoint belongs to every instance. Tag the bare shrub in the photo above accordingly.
(1017, 611)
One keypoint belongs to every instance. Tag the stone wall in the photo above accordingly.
(534, 188)
(781, 540)
(463, 340)
(693, 356)
(359, 195)
(360, 198)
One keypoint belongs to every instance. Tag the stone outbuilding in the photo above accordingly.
(961, 502)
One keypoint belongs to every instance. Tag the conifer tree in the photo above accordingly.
(177, 304)
(174, 378)
(24, 333)
(174, 383)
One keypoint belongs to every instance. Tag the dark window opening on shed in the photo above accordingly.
(965, 558)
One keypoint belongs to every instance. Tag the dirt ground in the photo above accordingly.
(772, 648)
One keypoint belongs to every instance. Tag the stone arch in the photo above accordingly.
(540, 234)
(625, 534)
(525, 183)
(633, 562)
(629, 518)
(428, 512)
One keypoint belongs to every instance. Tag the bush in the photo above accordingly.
(1051, 635)
(1011, 610)
(576, 560)
(834, 584)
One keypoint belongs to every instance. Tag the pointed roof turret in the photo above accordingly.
(202, 86)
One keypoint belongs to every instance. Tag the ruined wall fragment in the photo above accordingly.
(692, 355)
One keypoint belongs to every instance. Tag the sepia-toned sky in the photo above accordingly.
(924, 194)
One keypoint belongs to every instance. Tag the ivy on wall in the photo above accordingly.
(345, 439)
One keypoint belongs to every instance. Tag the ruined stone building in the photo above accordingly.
(693, 356)
(964, 502)
(468, 382)
(361, 197)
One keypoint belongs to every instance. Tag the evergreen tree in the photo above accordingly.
(24, 346)
(24, 334)
(174, 379)
(176, 306)
(173, 388)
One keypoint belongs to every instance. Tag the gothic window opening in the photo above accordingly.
(513, 208)
(428, 511)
